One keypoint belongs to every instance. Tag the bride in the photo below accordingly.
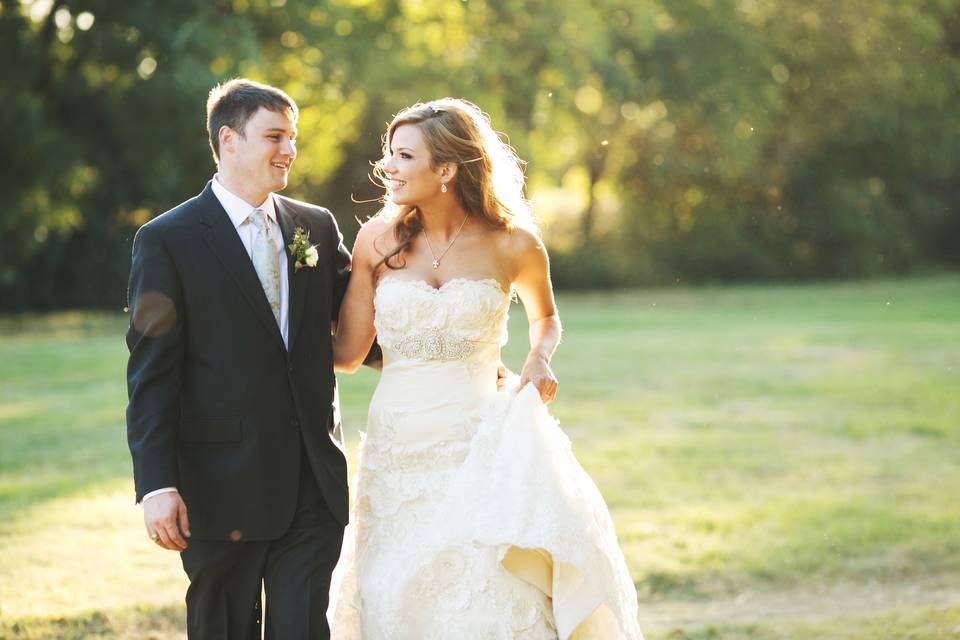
(472, 518)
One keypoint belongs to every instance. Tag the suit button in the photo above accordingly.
(294, 422)
(290, 368)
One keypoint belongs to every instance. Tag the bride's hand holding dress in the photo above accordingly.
(532, 284)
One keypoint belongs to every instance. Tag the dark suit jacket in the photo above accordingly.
(218, 407)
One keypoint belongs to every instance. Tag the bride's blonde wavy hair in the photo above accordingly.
(489, 181)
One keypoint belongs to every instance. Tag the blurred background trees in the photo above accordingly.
(668, 140)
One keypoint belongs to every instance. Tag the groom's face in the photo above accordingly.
(263, 155)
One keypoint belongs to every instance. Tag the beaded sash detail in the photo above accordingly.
(434, 344)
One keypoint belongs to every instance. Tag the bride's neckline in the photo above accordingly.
(425, 284)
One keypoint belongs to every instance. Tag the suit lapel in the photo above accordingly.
(222, 238)
(289, 220)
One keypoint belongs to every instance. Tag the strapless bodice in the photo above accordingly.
(462, 320)
(441, 349)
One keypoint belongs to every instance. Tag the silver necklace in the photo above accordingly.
(438, 258)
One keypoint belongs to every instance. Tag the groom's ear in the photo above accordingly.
(227, 136)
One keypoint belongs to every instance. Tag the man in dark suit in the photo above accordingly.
(232, 420)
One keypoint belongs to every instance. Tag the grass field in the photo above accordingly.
(781, 462)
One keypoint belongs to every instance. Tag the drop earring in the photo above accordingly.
(443, 187)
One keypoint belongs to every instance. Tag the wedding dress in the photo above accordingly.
(472, 519)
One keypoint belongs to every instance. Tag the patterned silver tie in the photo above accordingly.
(265, 261)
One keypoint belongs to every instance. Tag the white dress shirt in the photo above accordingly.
(239, 211)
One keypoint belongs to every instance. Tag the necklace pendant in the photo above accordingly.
(436, 264)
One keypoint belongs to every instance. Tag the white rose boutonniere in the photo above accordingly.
(304, 254)
(312, 256)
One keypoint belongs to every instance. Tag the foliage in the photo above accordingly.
(667, 139)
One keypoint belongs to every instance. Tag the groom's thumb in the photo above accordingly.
(184, 521)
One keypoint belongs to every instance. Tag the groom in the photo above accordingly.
(232, 420)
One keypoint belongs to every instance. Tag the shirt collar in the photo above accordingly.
(239, 209)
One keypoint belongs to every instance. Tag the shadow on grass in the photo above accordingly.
(140, 623)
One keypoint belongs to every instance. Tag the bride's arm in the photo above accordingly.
(355, 331)
(532, 282)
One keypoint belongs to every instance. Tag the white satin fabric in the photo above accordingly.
(472, 518)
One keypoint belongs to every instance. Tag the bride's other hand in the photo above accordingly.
(537, 371)
(503, 374)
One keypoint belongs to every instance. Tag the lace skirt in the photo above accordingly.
(493, 532)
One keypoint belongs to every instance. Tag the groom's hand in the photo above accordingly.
(165, 516)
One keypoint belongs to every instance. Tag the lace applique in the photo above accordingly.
(387, 423)
(491, 604)
(393, 475)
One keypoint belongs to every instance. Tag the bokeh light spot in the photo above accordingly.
(146, 67)
(876, 187)
(291, 39)
(780, 73)
(589, 99)
(85, 21)
(62, 18)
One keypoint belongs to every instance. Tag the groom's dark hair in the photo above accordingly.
(234, 102)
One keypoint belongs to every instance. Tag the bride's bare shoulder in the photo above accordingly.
(375, 226)
(376, 240)
(377, 234)
(520, 244)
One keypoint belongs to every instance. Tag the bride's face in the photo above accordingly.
(412, 180)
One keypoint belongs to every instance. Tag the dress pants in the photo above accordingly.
(224, 597)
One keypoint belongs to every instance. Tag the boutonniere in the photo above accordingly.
(304, 253)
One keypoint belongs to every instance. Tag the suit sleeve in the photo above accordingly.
(155, 339)
(341, 268)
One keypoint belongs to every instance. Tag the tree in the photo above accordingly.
(666, 139)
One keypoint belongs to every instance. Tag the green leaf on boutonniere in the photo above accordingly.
(304, 254)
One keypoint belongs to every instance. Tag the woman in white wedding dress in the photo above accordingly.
(472, 518)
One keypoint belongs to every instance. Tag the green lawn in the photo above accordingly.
(781, 462)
